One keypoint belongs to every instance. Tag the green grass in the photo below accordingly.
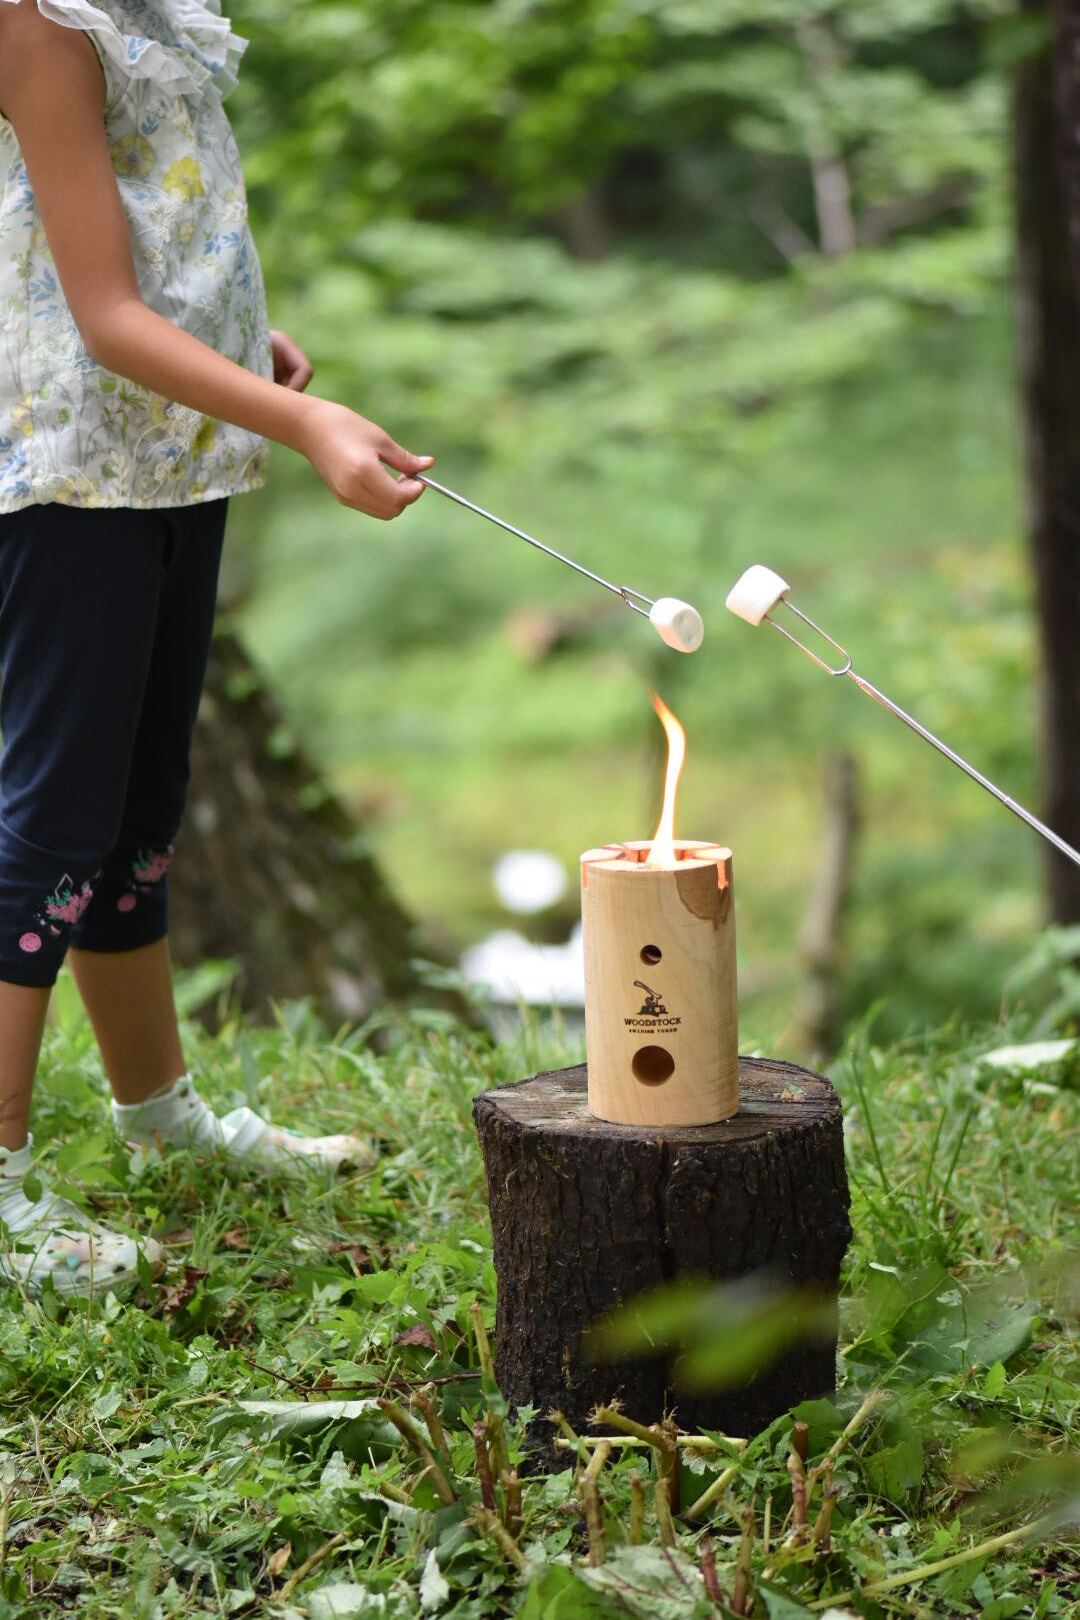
(133, 1485)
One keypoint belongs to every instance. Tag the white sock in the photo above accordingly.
(16, 1210)
(179, 1117)
(15, 1162)
(176, 1114)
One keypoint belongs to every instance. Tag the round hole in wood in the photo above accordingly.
(652, 1065)
(651, 954)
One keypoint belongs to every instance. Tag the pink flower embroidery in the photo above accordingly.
(67, 906)
(152, 865)
(30, 943)
(126, 902)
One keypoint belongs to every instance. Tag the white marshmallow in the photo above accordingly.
(756, 593)
(677, 623)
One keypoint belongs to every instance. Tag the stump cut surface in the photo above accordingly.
(772, 1096)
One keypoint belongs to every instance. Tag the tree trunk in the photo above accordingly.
(271, 869)
(1046, 150)
(823, 56)
(819, 1014)
(586, 1214)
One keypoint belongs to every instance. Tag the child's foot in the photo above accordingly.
(46, 1237)
(178, 1117)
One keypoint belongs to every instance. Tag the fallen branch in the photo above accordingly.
(637, 1510)
(488, 1523)
(708, 1573)
(496, 1432)
(569, 1440)
(597, 1463)
(922, 1572)
(421, 1399)
(416, 1442)
(685, 1442)
(740, 1592)
(483, 1466)
(320, 1391)
(665, 1524)
(309, 1564)
(830, 1496)
(670, 1464)
(483, 1343)
(511, 1484)
(653, 1436)
(713, 1494)
(594, 1508)
(870, 1405)
(797, 1472)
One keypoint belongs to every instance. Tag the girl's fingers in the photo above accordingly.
(292, 368)
(402, 460)
(384, 496)
(409, 490)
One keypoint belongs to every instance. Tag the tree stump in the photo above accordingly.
(587, 1214)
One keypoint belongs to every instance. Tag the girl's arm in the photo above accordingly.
(52, 92)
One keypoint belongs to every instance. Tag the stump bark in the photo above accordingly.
(586, 1214)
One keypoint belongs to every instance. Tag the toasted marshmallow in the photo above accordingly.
(756, 593)
(677, 623)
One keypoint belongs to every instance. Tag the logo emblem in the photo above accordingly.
(654, 1001)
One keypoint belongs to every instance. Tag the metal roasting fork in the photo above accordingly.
(633, 599)
(845, 668)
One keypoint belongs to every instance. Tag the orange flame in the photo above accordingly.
(662, 852)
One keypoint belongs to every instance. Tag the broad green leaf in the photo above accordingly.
(1003, 1607)
(896, 1471)
(558, 1593)
(994, 1382)
(974, 1327)
(780, 1605)
(653, 1583)
(299, 1417)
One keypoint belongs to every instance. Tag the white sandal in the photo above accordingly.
(178, 1117)
(50, 1238)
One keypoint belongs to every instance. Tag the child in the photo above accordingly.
(139, 382)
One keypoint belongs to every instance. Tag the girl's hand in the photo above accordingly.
(347, 451)
(292, 368)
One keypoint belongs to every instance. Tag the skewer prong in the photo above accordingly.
(760, 591)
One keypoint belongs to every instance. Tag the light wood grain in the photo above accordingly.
(661, 1005)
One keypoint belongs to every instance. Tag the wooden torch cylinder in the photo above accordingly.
(661, 1012)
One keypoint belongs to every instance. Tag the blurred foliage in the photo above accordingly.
(689, 126)
(678, 287)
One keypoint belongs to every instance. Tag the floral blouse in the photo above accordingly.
(70, 430)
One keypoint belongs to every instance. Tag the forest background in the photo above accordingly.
(679, 285)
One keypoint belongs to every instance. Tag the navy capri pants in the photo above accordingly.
(105, 624)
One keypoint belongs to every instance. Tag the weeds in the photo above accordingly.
(301, 1417)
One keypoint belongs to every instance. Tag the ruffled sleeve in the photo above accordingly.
(181, 45)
